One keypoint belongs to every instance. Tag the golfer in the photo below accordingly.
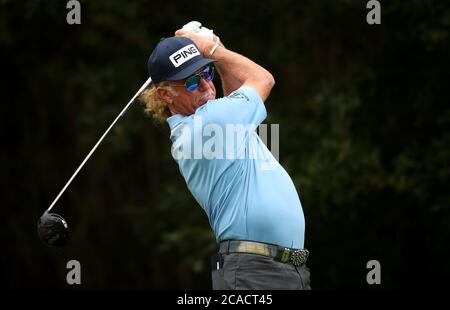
(250, 200)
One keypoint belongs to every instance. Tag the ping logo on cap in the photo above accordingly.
(184, 54)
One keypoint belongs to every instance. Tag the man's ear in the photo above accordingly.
(164, 94)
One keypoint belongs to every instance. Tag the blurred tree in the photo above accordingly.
(364, 133)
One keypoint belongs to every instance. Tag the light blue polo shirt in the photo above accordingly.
(245, 192)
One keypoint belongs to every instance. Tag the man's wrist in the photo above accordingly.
(213, 49)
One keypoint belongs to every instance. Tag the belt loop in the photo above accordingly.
(285, 255)
(228, 246)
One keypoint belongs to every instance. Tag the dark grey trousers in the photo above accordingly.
(241, 271)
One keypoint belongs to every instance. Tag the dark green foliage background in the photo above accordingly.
(364, 133)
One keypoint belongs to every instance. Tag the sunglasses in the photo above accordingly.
(193, 82)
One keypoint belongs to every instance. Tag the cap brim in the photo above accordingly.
(188, 71)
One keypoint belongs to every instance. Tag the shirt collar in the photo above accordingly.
(174, 120)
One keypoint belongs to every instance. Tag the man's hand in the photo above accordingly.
(203, 44)
(196, 27)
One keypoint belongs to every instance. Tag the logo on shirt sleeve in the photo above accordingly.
(237, 95)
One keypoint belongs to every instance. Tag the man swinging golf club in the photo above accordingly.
(255, 212)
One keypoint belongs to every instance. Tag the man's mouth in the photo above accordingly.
(203, 99)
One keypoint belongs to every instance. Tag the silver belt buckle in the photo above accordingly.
(299, 257)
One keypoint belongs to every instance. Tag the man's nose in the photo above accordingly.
(204, 85)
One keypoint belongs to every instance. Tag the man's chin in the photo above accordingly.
(205, 100)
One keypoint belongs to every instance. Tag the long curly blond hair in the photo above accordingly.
(155, 105)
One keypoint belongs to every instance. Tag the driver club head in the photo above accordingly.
(53, 230)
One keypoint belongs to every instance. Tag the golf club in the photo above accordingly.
(52, 228)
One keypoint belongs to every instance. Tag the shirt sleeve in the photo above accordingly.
(243, 106)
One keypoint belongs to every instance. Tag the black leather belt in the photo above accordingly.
(296, 257)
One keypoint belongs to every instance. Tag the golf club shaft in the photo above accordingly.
(98, 143)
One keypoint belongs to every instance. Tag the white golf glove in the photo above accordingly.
(196, 27)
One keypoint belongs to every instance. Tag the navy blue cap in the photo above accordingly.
(175, 58)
